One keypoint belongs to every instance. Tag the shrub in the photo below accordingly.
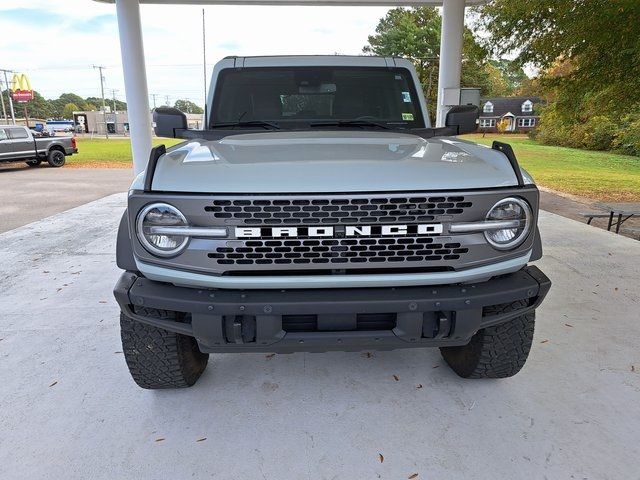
(597, 133)
(627, 139)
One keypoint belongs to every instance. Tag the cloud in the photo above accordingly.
(57, 42)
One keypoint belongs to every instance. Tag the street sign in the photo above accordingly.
(21, 88)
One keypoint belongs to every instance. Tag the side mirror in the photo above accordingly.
(166, 120)
(464, 118)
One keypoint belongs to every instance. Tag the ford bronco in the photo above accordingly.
(319, 210)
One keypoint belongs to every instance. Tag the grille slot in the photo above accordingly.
(336, 211)
(337, 251)
(364, 321)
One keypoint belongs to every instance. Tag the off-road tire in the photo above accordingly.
(56, 158)
(495, 352)
(34, 163)
(158, 358)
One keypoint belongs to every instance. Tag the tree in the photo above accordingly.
(69, 108)
(595, 41)
(414, 33)
(187, 106)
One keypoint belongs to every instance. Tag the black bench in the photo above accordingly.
(591, 215)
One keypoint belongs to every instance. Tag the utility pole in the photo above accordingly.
(6, 81)
(113, 92)
(153, 96)
(204, 69)
(104, 106)
(4, 110)
(166, 98)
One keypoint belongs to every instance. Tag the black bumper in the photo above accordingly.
(331, 319)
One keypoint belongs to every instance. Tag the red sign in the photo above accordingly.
(22, 95)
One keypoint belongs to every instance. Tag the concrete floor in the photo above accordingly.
(70, 410)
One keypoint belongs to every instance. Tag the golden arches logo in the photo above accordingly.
(20, 83)
(21, 88)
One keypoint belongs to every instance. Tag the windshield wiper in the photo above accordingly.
(351, 123)
(250, 123)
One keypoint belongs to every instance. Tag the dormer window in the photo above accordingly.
(488, 107)
(527, 107)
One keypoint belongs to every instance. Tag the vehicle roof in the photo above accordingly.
(318, 60)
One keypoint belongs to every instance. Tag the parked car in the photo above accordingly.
(18, 144)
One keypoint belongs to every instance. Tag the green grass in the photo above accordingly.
(112, 153)
(601, 176)
(597, 175)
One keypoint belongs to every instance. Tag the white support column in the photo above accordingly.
(450, 53)
(135, 81)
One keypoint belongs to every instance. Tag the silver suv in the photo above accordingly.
(319, 210)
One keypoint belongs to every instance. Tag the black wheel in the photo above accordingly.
(495, 352)
(34, 163)
(56, 158)
(158, 358)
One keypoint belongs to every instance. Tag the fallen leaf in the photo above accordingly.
(415, 475)
(568, 325)
(159, 440)
(201, 439)
(436, 366)
(102, 301)
(53, 384)
(45, 271)
(269, 356)
(368, 354)
(396, 378)
(419, 385)
(117, 352)
(615, 289)
(544, 341)
(633, 368)
(381, 457)
(58, 289)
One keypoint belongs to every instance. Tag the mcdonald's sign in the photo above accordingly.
(21, 88)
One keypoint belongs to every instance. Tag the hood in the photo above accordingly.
(330, 161)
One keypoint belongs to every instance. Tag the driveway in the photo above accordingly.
(70, 409)
(29, 194)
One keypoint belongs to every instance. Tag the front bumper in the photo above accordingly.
(313, 320)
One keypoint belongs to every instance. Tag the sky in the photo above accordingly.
(56, 42)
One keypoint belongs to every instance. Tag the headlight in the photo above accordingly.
(161, 215)
(509, 209)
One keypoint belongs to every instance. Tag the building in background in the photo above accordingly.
(93, 122)
(519, 114)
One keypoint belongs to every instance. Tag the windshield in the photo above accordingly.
(293, 97)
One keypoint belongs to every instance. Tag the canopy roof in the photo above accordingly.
(363, 3)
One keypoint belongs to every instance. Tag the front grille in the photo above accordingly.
(335, 211)
(338, 251)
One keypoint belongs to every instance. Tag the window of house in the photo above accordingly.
(527, 107)
(526, 122)
(487, 122)
(3, 134)
(488, 107)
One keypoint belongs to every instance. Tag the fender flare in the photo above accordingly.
(124, 249)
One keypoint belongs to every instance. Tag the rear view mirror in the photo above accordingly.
(167, 120)
(464, 118)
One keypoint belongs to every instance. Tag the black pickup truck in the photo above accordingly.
(17, 144)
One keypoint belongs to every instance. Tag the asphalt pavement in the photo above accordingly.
(30, 194)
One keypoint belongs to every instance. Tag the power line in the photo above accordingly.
(104, 106)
